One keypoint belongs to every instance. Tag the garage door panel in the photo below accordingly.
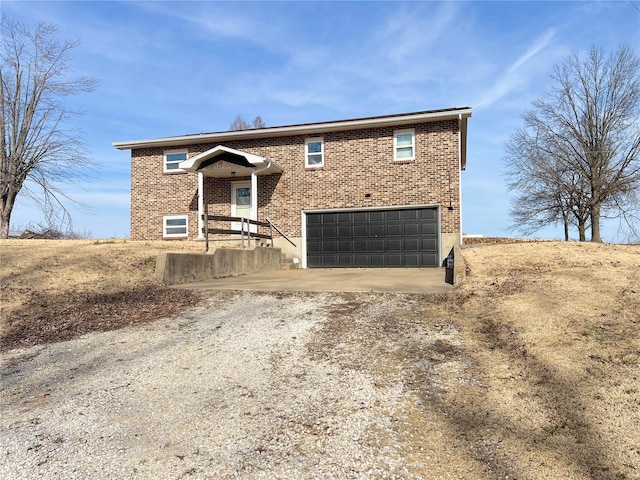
(314, 219)
(376, 217)
(428, 214)
(428, 229)
(376, 260)
(314, 247)
(412, 259)
(411, 244)
(376, 245)
(329, 232)
(329, 247)
(345, 231)
(345, 217)
(314, 261)
(345, 246)
(314, 232)
(361, 260)
(394, 260)
(360, 246)
(394, 230)
(373, 238)
(376, 230)
(360, 231)
(394, 245)
(428, 245)
(411, 229)
(431, 259)
(393, 215)
(345, 260)
(329, 261)
(410, 215)
(329, 218)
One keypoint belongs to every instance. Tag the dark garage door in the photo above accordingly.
(373, 238)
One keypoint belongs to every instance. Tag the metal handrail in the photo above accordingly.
(273, 225)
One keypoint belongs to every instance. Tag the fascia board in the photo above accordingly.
(308, 129)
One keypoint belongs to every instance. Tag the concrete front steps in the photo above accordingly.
(288, 263)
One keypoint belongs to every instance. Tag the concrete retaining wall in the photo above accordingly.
(456, 268)
(176, 268)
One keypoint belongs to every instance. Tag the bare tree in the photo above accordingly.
(586, 129)
(548, 193)
(258, 123)
(37, 152)
(240, 123)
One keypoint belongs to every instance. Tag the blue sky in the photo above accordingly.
(173, 68)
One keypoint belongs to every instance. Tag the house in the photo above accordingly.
(367, 192)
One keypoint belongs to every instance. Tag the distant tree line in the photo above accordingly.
(241, 124)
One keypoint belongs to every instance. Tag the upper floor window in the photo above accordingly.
(172, 159)
(404, 144)
(314, 152)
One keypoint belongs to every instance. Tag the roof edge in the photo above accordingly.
(307, 128)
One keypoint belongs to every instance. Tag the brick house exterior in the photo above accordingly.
(368, 164)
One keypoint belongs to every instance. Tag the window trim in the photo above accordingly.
(396, 134)
(172, 152)
(307, 153)
(175, 217)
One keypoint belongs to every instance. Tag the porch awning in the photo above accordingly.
(223, 161)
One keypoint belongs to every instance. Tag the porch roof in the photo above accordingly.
(221, 161)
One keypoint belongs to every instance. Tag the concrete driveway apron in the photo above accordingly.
(398, 280)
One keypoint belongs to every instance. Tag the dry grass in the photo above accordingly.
(52, 290)
(549, 336)
(59, 266)
(553, 331)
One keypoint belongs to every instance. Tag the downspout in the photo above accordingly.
(200, 205)
(254, 190)
(460, 173)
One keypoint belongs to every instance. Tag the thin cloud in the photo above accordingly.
(538, 45)
(409, 33)
(513, 79)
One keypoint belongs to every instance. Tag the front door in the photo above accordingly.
(241, 203)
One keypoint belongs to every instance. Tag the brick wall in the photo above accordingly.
(356, 163)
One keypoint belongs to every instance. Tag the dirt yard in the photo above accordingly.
(530, 369)
(52, 290)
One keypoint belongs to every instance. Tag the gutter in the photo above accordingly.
(303, 129)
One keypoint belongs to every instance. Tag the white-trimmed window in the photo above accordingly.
(404, 144)
(175, 226)
(314, 152)
(172, 159)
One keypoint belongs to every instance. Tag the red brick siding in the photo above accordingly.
(155, 194)
(356, 162)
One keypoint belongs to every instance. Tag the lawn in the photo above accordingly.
(549, 333)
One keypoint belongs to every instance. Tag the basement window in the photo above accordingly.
(174, 226)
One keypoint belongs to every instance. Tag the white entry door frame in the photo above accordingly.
(242, 203)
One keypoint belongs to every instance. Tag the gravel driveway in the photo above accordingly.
(247, 385)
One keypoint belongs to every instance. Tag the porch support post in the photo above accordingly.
(254, 195)
(200, 204)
